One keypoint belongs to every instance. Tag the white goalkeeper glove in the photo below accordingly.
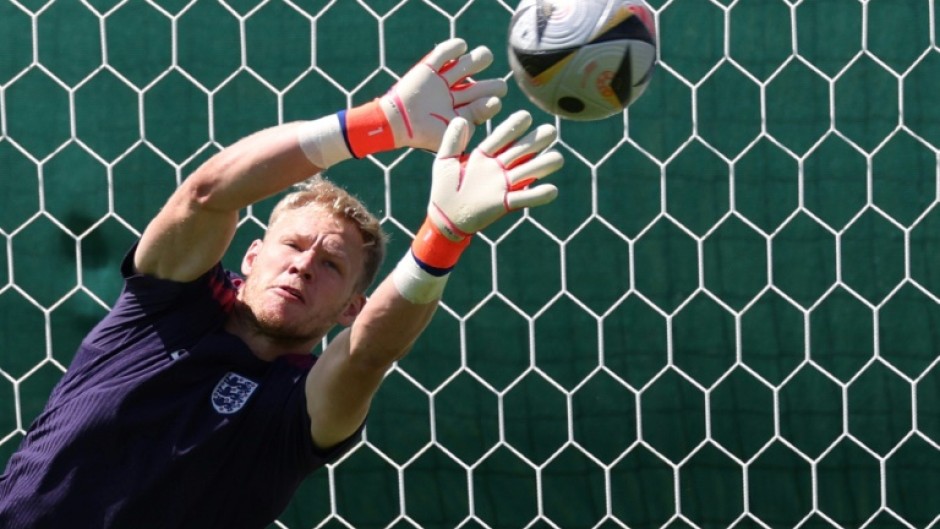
(468, 193)
(415, 112)
(438, 89)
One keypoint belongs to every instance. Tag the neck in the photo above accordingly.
(264, 343)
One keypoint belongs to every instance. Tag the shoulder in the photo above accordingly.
(173, 311)
(216, 284)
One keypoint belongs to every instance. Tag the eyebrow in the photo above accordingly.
(331, 245)
(335, 248)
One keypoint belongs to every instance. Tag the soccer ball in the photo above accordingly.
(582, 59)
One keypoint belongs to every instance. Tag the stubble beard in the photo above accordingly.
(274, 329)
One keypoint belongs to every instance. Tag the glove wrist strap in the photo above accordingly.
(435, 253)
(366, 129)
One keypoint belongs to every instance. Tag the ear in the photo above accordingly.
(352, 310)
(248, 260)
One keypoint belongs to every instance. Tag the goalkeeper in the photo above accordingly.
(196, 402)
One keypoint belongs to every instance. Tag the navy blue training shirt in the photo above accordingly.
(165, 420)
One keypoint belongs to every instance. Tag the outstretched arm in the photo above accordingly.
(194, 229)
(468, 193)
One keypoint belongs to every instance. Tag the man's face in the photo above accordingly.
(300, 280)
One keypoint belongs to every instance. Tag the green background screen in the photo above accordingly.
(729, 317)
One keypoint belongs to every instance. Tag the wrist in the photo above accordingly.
(366, 129)
(434, 252)
(323, 141)
(415, 284)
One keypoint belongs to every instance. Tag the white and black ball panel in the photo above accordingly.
(528, 68)
(586, 90)
(638, 60)
(592, 72)
(634, 73)
(542, 25)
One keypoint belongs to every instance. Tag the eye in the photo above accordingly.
(333, 264)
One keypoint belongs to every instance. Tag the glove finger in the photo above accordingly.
(455, 138)
(506, 133)
(469, 64)
(533, 142)
(531, 197)
(479, 90)
(481, 110)
(445, 51)
(536, 168)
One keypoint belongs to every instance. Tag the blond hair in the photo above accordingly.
(320, 192)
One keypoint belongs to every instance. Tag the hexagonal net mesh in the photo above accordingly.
(728, 319)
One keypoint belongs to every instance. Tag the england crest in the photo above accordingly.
(231, 393)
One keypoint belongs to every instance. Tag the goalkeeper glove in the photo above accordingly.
(468, 193)
(415, 111)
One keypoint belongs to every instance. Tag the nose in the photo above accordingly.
(303, 262)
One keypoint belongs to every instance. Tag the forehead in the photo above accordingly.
(313, 220)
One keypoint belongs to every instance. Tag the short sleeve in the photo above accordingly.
(150, 308)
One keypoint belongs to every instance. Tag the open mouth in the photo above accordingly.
(291, 293)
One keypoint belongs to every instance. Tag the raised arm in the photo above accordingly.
(468, 193)
(194, 229)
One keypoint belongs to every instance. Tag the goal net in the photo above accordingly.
(729, 318)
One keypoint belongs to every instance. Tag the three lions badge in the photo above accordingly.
(231, 393)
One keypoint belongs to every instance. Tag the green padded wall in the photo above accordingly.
(729, 318)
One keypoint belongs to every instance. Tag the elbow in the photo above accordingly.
(204, 188)
(200, 195)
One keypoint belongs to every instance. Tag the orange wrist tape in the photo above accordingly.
(367, 130)
(434, 252)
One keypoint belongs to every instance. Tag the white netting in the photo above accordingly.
(728, 319)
